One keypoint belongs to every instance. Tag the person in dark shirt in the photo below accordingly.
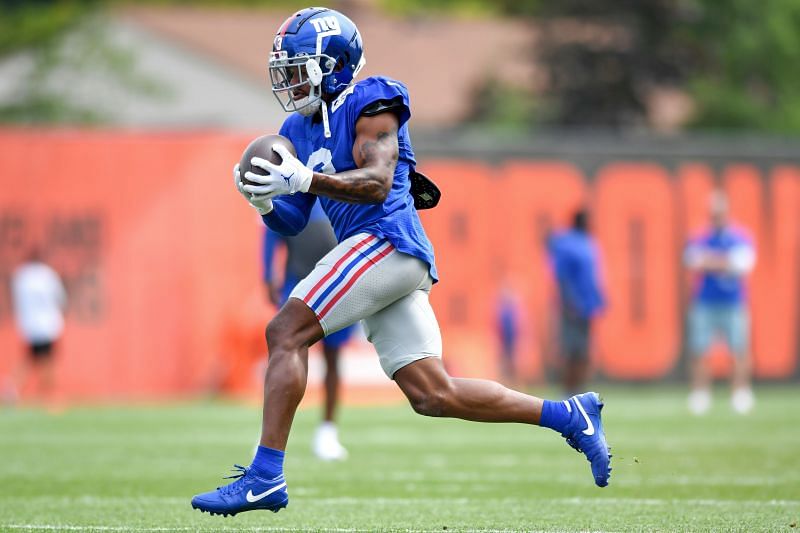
(576, 265)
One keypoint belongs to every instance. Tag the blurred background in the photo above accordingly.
(120, 123)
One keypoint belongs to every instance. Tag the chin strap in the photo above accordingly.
(325, 123)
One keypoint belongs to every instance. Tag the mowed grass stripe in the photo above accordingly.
(91, 500)
(135, 469)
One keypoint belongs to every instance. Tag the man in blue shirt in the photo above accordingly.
(303, 251)
(354, 156)
(507, 325)
(576, 265)
(720, 259)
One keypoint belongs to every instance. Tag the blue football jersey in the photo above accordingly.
(395, 219)
(721, 288)
(576, 262)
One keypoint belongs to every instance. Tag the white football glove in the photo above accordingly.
(262, 204)
(289, 177)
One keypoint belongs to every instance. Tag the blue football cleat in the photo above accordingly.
(247, 493)
(585, 433)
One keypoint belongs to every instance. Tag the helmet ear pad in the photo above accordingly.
(314, 72)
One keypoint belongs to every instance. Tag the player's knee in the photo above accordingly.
(279, 336)
(272, 334)
(431, 402)
(295, 326)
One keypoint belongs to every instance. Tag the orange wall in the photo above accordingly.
(161, 256)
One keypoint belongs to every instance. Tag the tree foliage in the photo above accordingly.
(602, 57)
(737, 59)
(54, 41)
(747, 73)
(38, 24)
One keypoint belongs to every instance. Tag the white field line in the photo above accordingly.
(382, 501)
(706, 502)
(632, 480)
(349, 500)
(703, 502)
(48, 527)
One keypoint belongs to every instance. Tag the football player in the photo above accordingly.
(354, 154)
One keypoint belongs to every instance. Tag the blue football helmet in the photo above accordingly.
(315, 46)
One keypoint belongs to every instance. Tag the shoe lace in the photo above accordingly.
(239, 473)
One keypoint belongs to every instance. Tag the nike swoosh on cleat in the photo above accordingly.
(589, 426)
(255, 497)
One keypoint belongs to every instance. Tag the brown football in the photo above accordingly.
(262, 147)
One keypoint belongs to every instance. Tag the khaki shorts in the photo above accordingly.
(366, 278)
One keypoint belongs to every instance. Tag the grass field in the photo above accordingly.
(135, 469)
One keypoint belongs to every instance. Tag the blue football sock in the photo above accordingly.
(554, 416)
(268, 462)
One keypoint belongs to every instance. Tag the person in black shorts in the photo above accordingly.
(39, 302)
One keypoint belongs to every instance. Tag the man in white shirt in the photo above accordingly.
(39, 302)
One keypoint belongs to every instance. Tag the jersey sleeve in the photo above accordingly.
(390, 94)
(742, 258)
(742, 255)
(290, 213)
(693, 253)
(285, 128)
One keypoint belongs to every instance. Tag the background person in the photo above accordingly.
(508, 319)
(302, 253)
(720, 258)
(39, 300)
(576, 266)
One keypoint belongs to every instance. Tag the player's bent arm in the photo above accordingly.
(375, 152)
(289, 214)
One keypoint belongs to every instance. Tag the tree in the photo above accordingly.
(736, 59)
(44, 37)
(746, 75)
(604, 56)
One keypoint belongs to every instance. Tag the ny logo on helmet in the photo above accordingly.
(326, 24)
